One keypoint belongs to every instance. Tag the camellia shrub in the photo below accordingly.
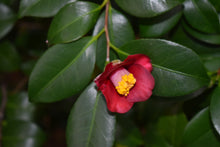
(129, 73)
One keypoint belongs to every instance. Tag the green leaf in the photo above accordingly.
(89, 123)
(201, 15)
(183, 38)
(216, 4)
(215, 109)
(207, 38)
(199, 132)
(177, 70)
(63, 70)
(9, 58)
(158, 26)
(120, 32)
(41, 8)
(19, 133)
(154, 139)
(73, 21)
(212, 63)
(19, 108)
(173, 134)
(147, 8)
(7, 19)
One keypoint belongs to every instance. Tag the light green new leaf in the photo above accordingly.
(9, 58)
(201, 15)
(215, 109)
(73, 21)
(41, 8)
(120, 32)
(147, 8)
(89, 123)
(7, 19)
(177, 70)
(199, 132)
(63, 70)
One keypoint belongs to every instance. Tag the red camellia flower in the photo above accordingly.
(123, 83)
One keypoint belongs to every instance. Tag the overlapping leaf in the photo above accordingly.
(41, 8)
(72, 22)
(201, 15)
(7, 19)
(157, 27)
(62, 71)
(207, 38)
(147, 8)
(90, 123)
(182, 37)
(199, 131)
(177, 70)
(120, 32)
(215, 109)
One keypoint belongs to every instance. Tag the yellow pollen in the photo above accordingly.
(125, 84)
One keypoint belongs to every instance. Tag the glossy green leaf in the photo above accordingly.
(73, 21)
(19, 133)
(41, 8)
(63, 70)
(199, 132)
(147, 8)
(156, 27)
(120, 32)
(7, 19)
(89, 123)
(201, 15)
(19, 108)
(173, 135)
(177, 70)
(182, 37)
(9, 58)
(215, 109)
(207, 38)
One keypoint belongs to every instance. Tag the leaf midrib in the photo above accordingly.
(67, 25)
(93, 120)
(178, 72)
(66, 67)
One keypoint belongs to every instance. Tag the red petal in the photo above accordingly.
(115, 102)
(141, 59)
(143, 86)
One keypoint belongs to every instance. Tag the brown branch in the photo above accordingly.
(106, 32)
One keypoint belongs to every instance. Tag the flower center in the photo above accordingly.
(125, 84)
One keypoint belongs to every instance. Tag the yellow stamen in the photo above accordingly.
(125, 84)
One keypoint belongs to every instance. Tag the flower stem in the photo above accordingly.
(106, 32)
(118, 50)
(103, 4)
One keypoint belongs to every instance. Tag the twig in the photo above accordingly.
(106, 32)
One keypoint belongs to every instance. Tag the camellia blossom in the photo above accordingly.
(127, 82)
